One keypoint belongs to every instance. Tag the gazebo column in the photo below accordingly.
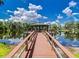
(36, 28)
(42, 28)
(39, 28)
(47, 28)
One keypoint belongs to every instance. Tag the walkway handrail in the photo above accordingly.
(67, 52)
(14, 51)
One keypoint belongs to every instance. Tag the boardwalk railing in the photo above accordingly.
(60, 50)
(24, 48)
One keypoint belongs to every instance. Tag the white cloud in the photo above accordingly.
(53, 22)
(75, 19)
(59, 17)
(6, 20)
(72, 4)
(9, 11)
(57, 21)
(48, 22)
(2, 20)
(24, 18)
(16, 12)
(45, 17)
(75, 13)
(19, 11)
(30, 14)
(33, 7)
(67, 11)
(62, 24)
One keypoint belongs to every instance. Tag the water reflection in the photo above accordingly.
(72, 36)
(12, 39)
(68, 39)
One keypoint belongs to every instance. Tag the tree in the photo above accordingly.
(54, 28)
(72, 27)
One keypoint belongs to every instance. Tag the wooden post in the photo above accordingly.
(26, 43)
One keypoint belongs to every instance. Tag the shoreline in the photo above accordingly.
(73, 50)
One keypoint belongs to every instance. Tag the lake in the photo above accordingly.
(9, 39)
(64, 39)
(68, 39)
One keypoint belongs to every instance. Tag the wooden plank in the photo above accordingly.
(43, 48)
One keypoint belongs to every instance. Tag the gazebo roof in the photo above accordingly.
(40, 24)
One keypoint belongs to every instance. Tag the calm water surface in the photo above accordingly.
(68, 39)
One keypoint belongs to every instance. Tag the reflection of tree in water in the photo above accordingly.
(72, 30)
(71, 36)
(3, 30)
(14, 30)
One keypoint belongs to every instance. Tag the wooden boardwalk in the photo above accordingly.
(42, 48)
(38, 46)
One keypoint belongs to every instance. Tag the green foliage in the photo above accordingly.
(13, 29)
(72, 27)
(77, 55)
(4, 50)
(55, 28)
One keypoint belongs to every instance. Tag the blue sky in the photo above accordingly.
(51, 8)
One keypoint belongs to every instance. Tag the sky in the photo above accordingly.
(43, 10)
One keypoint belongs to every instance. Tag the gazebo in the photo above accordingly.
(40, 27)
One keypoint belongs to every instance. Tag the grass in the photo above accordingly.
(77, 55)
(4, 50)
